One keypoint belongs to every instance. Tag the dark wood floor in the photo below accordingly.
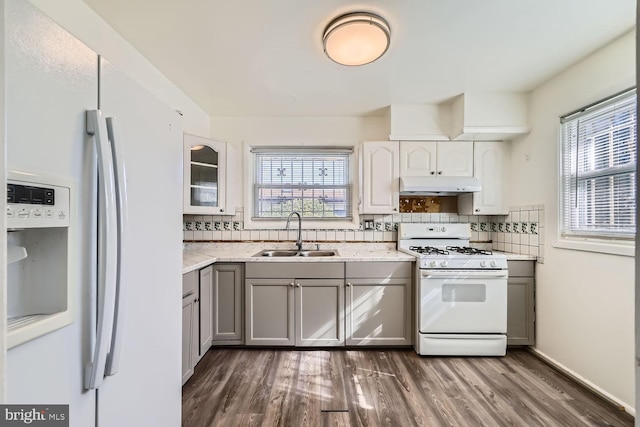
(254, 387)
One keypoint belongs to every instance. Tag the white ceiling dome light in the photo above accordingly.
(356, 38)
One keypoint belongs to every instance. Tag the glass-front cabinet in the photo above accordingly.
(204, 175)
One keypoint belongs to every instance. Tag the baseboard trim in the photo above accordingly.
(583, 382)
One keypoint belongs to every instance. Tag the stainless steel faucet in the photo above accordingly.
(299, 241)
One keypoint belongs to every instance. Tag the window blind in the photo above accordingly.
(314, 182)
(599, 152)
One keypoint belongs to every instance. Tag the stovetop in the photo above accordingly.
(446, 246)
(447, 250)
(456, 258)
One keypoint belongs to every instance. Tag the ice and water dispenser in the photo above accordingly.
(39, 294)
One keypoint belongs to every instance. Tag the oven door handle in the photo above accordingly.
(464, 273)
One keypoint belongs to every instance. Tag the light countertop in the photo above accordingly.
(198, 255)
(194, 260)
(518, 257)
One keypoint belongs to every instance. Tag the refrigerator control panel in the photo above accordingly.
(36, 205)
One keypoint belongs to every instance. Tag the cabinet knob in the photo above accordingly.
(297, 285)
(477, 209)
(439, 172)
(221, 210)
(292, 284)
(433, 172)
(395, 209)
(349, 284)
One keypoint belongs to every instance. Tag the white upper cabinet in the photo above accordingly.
(204, 175)
(436, 158)
(380, 177)
(417, 158)
(489, 159)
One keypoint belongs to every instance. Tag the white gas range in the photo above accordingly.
(461, 292)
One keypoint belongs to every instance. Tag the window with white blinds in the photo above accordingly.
(599, 169)
(314, 182)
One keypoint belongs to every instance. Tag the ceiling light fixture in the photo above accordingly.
(357, 38)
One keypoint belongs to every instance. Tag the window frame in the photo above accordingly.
(591, 241)
(308, 223)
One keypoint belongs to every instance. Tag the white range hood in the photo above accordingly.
(439, 186)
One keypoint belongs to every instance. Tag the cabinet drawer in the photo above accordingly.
(378, 269)
(298, 270)
(190, 283)
(520, 268)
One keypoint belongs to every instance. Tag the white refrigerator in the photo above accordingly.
(51, 81)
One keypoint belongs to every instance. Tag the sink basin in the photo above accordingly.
(277, 252)
(318, 253)
(294, 252)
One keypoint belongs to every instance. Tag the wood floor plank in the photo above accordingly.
(380, 387)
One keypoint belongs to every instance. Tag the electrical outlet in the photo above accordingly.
(368, 224)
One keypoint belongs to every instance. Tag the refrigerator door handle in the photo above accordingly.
(107, 250)
(113, 358)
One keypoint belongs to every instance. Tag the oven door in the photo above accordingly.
(458, 301)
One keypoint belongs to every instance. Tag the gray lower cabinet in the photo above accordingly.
(318, 311)
(521, 303)
(227, 306)
(294, 304)
(190, 342)
(378, 303)
(205, 298)
(269, 312)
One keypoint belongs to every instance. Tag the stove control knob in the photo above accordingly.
(443, 264)
(433, 264)
(494, 264)
(483, 263)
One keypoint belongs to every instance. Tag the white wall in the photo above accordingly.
(80, 20)
(584, 301)
(336, 131)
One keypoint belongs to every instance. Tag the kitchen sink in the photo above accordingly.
(318, 253)
(295, 252)
(277, 252)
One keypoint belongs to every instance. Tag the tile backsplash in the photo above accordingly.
(519, 232)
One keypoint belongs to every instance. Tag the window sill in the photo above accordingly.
(599, 246)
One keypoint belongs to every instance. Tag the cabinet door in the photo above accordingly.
(187, 333)
(319, 312)
(195, 332)
(269, 308)
(204, 175)
(378, 311)
(380, 177)
(521, 311)
(206, 286)
(489, 158)
(227, 304)
(417, 158)
(455, 158)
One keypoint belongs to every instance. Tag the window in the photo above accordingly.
(599, 169)
(314, 182)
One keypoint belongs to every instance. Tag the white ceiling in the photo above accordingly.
(265, 58)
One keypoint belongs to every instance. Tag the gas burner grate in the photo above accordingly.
(466, 250)
(428, 250)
